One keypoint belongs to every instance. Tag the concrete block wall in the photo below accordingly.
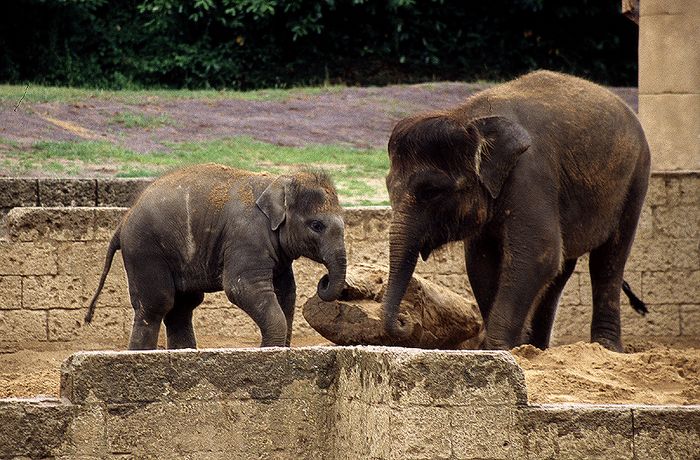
(669, 82)
(325, 403)
(51, 259)
(52, 192)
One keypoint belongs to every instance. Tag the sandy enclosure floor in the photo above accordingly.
(580, 373)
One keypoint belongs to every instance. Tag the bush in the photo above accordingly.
(246, 44)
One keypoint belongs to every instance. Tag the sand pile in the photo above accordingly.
(588, 373)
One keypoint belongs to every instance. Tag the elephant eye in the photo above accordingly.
(317, 226)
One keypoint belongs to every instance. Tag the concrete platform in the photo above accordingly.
(325, 403)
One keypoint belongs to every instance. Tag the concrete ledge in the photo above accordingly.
(325, 402)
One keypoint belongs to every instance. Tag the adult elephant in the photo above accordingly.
(209, 228)
(531, 174)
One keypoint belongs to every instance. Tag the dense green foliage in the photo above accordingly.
(245, 44)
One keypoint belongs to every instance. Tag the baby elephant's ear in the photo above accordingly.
(273, 202)
(500, 142)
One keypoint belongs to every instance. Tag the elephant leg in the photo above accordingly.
(285, 290)
(178, 321)
(543, 315)
(152, 293)
(483, 258)
(254, 293)
(531, 260)
(607, 266)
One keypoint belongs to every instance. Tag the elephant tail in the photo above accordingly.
(639, 306)
(114, 245)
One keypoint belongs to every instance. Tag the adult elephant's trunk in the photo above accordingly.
(331, 285)
(404, 246)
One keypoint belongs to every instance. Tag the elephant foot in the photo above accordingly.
(612, 345)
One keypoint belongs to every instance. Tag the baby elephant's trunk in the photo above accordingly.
(331, 285)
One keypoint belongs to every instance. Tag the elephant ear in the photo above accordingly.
(500, 144)
(273, 202)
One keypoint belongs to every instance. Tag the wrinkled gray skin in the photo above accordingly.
(531, 175)
(209, 228)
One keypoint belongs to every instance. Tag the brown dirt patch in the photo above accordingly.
(588, 373)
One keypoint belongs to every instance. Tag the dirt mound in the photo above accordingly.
(588, 373)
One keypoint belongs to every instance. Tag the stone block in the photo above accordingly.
(67, 192)
(32, 428)
(680, 287)
(108, 325)
(115, 292)
(666, 433)
(574, 431)
(633, 278)
(645, 226)
(454, 378)
(307, 273)
(52, 291)
(363, 374)
(663, 71)
(683, 188)
(663, 7)
(690, 320)
(227, 326)
(483, 433)
(420, 432)
(571, 324)
(85, 438)
(27, 258)
(22, 326)
(672, 123)
(664, 255)
(264, 375)
(368, 222)
(360, 430)
(10, 292)
(449, 259)
(457, 283)
(84, 258)
(661, 321)
(241, 429)
(107, 220)
(58, 224)
(375, 252)
(656, 193)
(16, 191)
(120, 192)
(677, 222)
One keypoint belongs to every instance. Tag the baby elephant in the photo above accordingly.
(208, 228)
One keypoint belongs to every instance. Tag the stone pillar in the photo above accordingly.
(669, 82)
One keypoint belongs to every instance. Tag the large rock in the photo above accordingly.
(437, 317)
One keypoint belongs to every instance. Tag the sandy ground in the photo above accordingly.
(580, 373)
(588, 373)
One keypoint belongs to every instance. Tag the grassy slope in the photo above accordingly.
(359, 174)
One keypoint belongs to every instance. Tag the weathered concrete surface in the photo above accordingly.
(51, 192)
(51, 259)
(669, 82)
(325, 403)
(435, 316)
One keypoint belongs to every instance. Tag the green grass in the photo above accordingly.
(351, 168)
(141, 120)
(37, 93)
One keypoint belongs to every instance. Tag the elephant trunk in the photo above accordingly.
(404, 247)
(330, 286)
